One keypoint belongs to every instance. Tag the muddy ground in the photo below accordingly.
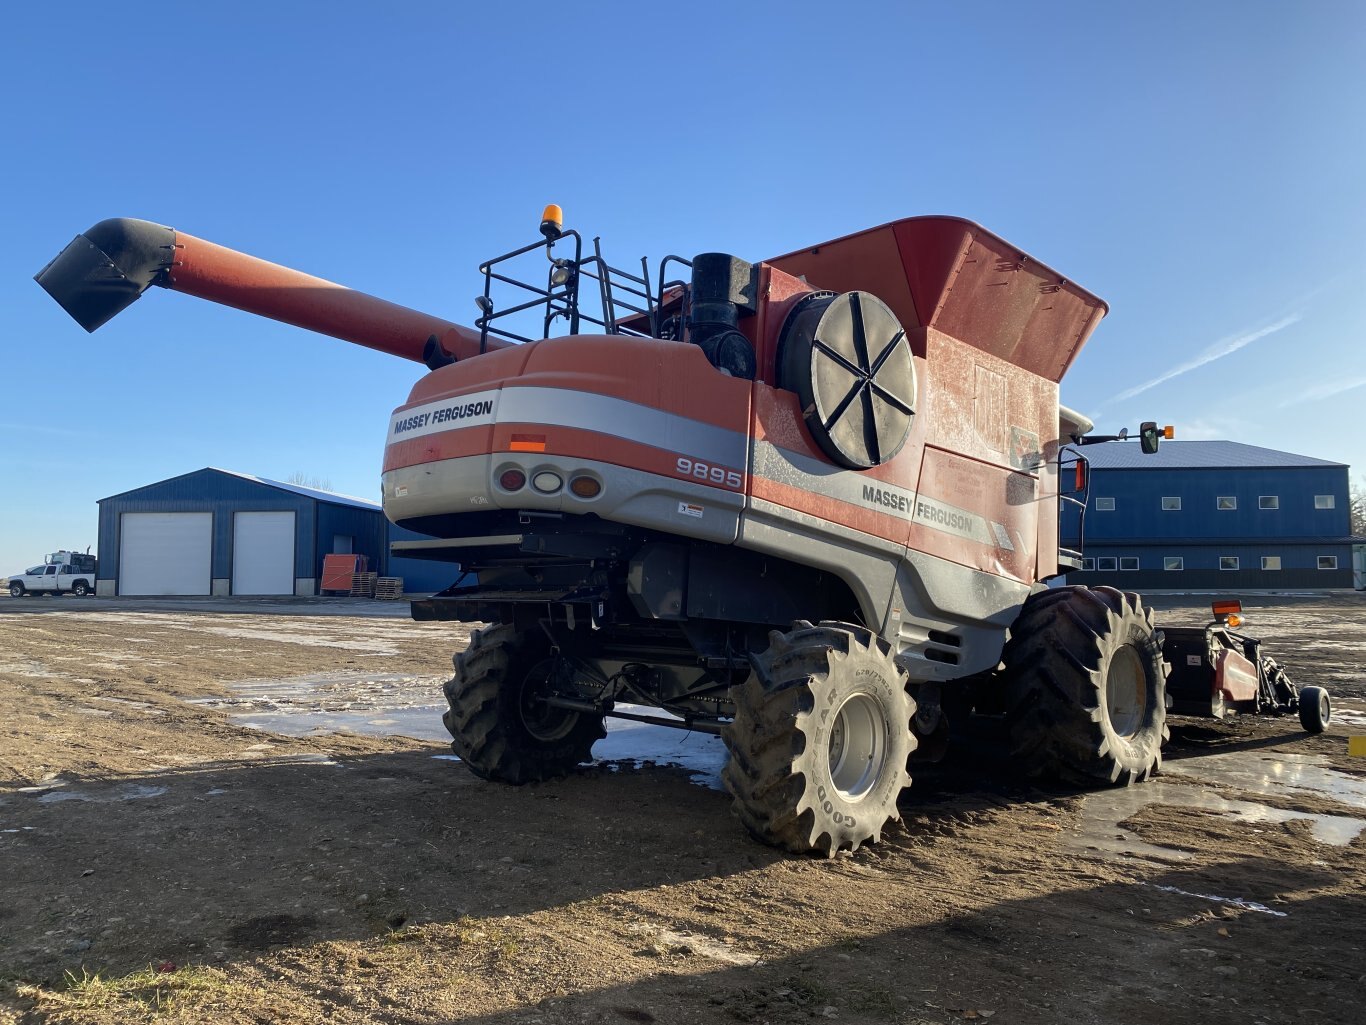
(178, 842)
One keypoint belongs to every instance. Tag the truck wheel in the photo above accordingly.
(16, 590)
(1086, 687)
(1315, 709)
(820, 739)
(500, 728)
(80, 588)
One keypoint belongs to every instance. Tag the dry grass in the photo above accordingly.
(142, 995)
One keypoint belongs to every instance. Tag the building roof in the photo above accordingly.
(322, 496)
(1191, 455)
(331, 497)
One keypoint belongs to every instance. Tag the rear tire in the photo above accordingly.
(498, 727)
(1316, 708)
(1086, 687)
(80, 589)
(820, 739)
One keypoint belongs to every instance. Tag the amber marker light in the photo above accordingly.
(552, 222)
(585, 487)
(1169, 432)
(527, 443)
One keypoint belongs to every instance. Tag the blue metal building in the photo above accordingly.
(218, 532)
(1212, 515)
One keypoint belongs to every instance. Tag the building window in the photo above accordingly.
(1328, 562)
(1107, 563)
(1105, 505)
(1174, 562)
(1325, 502)
(1129, 562)
(1226, 503)
(1171, 503)
(1228, 562)
(1271, 562)
(1087, 565)
(1269, 502)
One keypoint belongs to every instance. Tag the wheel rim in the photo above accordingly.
(1125, 691)
(858, 746)
(542, 721)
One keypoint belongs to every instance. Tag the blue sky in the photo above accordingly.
(1200, 166)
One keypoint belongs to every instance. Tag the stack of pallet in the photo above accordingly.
(363, 585)
(389, 588)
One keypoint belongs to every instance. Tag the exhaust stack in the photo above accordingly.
(104, 270)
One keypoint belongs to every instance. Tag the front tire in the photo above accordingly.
(1086, 687)
(500, 729)
(820, 739)
(16, 590)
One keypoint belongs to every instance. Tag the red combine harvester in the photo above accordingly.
(809, 504)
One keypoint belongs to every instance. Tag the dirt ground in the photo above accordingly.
(163, 857)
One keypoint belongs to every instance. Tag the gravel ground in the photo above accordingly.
(167, 859)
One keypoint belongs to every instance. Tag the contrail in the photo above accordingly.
(1323, 391)
(1220, 349)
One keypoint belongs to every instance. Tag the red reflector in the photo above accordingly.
(512, 480)
(1227, 608)
(528, 443)
(1081, 477)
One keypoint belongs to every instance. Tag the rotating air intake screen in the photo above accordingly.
(847, 359)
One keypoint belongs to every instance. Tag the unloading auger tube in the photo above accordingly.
(105, 269)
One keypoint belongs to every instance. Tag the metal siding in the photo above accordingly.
(1199, 532)
(1299, 567)
(366, 527)
(202, 491)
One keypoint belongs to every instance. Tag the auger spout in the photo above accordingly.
(104, 270)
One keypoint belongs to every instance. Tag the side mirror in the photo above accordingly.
(1150, 435)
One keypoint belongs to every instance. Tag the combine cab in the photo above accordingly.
(809, 503)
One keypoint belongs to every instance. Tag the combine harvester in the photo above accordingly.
(809, 504)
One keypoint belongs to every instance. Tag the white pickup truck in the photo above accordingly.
(61, 572)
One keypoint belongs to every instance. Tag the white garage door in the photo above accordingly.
(263, 553)
(165, 553)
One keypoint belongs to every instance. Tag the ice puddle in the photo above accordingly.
(1252, 773)
(390, 704)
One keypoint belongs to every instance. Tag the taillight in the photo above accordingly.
(547, 482)
(512, 480)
